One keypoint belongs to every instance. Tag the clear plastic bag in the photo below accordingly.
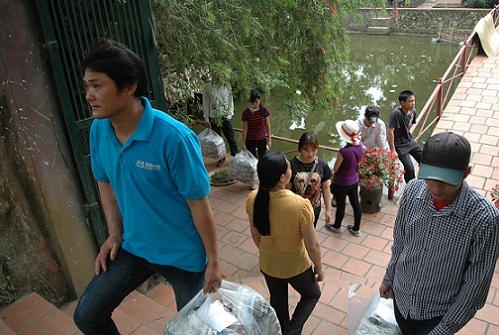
(370, 314)
(212, 144)
(243, 167)
(233, 309)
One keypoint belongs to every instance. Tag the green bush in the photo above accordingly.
(481, 3)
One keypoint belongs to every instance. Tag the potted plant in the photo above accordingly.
(377, 168)
(495, 196)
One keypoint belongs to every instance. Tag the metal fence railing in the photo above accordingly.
(435, 105)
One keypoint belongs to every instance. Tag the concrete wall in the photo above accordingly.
(424, 21)
(46, 246)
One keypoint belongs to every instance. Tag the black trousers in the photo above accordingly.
(414, 151)
(254, 145)
(228, 131)
(341, 193)
(309, 290)
(414, 327)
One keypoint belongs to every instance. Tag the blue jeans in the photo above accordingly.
(107, 290)
(414, 327)
(306, 286)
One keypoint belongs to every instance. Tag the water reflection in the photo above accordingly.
(379, 68)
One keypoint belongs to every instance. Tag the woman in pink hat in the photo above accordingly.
(346, 176)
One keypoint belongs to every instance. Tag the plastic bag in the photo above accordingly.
(243, 167)
(370, 314)
(212, 144)
(233, 309)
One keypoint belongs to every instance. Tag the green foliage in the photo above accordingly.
(295, 44)
(481, 3)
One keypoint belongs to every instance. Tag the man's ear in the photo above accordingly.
(468, 171)
(130, 89)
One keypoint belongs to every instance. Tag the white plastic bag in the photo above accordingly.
(243, 167)
(370, 314)
(233, 309)
(212, 144)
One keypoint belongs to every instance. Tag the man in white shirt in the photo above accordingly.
(218, 109)
(373, 129)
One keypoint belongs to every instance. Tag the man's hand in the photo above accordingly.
(109, 248)
(213, 278)
(385, 291)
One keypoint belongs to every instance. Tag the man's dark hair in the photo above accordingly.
(119, 63)
(405, 94)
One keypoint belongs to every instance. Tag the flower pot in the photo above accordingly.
(370, 199)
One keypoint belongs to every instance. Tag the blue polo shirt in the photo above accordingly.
(152, 174)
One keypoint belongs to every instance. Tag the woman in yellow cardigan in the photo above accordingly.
(282, 229)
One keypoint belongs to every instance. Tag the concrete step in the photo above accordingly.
(138, 314)
(33, 314)
(378, 30)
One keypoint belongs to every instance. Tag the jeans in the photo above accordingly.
(254, 145)
(228, 131)
(341, 193)
(414, 327)
(416, 152)
(107, 290)
(310, 292)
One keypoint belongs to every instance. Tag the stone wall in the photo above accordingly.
(424, 21)
(46, 246)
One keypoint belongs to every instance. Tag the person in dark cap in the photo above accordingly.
(445, 244)
(372, 129)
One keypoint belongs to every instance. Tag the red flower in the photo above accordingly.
(379, 167)
(334, 9)
(395, 11)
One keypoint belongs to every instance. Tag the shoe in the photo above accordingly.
(220, 162)
(331, 227)
(354, 232)
(333, 202)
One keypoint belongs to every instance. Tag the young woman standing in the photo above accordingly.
(289, 252)
(311, 176)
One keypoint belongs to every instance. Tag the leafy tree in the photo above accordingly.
(300, 45)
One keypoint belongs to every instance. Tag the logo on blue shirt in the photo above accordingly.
(148, 166)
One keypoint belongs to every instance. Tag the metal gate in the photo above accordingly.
(70, 28)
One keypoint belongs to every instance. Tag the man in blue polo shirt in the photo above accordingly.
(153, 188)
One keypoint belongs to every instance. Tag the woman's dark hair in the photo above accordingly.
(308, 139)
(270, 168)
(119, 63)
(254, 94)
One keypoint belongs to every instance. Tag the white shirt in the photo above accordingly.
(373, 136)
(217, 101)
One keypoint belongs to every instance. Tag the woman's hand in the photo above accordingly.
(319, 274)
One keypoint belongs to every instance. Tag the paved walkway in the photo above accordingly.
(473, 112)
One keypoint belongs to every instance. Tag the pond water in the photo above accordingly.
(383, 66)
